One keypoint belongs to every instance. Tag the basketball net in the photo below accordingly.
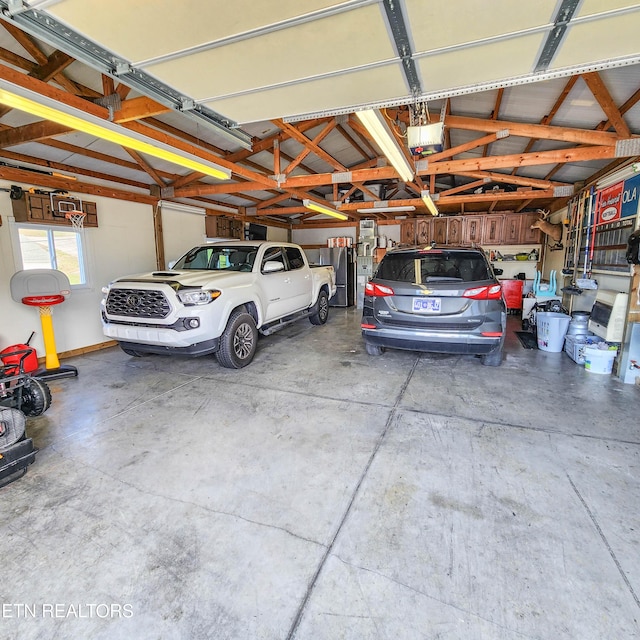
(76, 218)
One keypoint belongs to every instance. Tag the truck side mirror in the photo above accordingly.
(271, 266)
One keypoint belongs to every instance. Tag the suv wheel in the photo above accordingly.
(493, 359)
(373, 349)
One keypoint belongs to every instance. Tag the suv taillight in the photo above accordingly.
(377, 290)
(491, 292)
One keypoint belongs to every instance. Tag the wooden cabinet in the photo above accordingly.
(223, 227)
(527, 234)
(511, 228)
(481, 229)
(424, 231)
(49, 208)
(454, 230)
(408, 232)
(472, 229)
(492, 231)
(439, 230)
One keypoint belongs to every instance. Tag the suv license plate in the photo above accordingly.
(426, 305)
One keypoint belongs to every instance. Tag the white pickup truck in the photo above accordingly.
(215, 299)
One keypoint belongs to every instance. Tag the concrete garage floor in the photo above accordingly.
(321, 493)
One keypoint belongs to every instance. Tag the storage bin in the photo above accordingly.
(552, 328)
(574, 345)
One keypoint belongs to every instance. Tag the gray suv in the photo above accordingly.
(440, 299)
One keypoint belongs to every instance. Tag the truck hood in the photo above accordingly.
(187, 278)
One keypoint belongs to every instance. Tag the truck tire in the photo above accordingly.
(36, 397)
(239, 341)
(320, 312)
(131, 352)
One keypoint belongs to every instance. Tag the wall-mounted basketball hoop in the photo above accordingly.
(44, 288)
(76, 218)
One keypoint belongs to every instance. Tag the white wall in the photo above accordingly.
(320, 236)
(180, 231)
(122, 244)
(277, 234)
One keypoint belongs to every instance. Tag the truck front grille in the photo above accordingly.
(137, 303)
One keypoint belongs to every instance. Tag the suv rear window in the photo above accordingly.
(425, 266)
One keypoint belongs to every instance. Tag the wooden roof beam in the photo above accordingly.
(543, 132)
(145, 166)
(309, 148)
(602, 95)
(307, 142)
(581, 154)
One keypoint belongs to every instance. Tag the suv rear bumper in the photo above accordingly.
(435, 342)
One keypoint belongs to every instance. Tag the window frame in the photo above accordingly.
(50, 229)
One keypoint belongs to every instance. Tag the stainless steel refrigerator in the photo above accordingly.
(343, 260)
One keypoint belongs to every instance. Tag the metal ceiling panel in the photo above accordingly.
(526, 103)
(373, 85)
(441, 23)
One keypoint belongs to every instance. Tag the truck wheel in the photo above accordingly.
(131, 352)
(239, 341)
(36, 397)
(320, 309)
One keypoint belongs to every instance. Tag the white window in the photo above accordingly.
(49, 247)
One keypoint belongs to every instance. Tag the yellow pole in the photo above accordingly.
(51, 354)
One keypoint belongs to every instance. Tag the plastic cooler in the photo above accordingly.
(552, 328)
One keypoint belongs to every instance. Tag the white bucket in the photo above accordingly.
(552, 328)
(599, 360)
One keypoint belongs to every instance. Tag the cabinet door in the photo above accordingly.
(211, 226)
(492, 232)
(472, 229)
(527, 234)
(424, 231)
(440, 230)
(408, 232)
(454, 230)
(38, 208)
(511, 232)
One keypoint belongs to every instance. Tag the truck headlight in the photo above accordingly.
(204, 296)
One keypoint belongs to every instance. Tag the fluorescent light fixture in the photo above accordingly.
(618, 176)
(428, 200)
(183, 208)
(377, 126)
(321, 208)
(375, 209)
(48, 109)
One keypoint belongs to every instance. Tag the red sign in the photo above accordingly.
(609, 202)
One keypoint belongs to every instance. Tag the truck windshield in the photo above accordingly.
(218, 258)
